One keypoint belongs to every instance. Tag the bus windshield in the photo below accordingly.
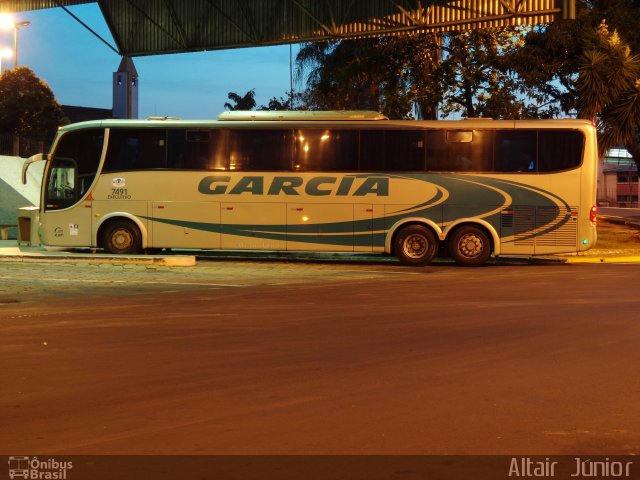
(73, 167)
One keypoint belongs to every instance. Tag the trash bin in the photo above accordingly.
(28, 226)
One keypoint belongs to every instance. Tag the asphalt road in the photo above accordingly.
(297, 358)
(629, 214)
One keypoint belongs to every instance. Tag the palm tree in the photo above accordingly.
(245, 102)
(609, 91)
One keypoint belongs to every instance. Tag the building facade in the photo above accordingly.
(618, 180)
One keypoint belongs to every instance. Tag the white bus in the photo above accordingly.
(323, 181)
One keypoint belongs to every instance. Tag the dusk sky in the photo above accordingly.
(78, 67)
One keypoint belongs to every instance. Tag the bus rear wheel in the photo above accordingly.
(122, 237)
(415, 245)
(470, 246)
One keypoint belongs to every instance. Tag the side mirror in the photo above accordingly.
(38, 157)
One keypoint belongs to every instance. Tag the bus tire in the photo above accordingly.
(470, 246)
(122, 237)
(415, 245)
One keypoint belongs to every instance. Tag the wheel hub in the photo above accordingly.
(122, 240)
(471, 246)
(415, 246)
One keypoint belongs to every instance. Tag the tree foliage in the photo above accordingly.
(351, 75)
(27, 105)
(586, 67)
(381, 74)
(464, 74)
(244, 102)
(476, 78)
(609, 91)
(589, 67)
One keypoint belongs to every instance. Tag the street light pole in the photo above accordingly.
(16, 27)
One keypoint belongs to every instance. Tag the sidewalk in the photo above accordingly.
(10, 251)
(604, 256)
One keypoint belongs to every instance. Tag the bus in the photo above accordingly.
(343, 181)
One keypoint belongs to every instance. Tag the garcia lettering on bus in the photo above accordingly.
(293, 185)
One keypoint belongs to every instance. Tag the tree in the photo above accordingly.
(27, 106)
(370, 74)
(453, 73)
(294, 101)
(609, 91)
(475, 78)
(246, 102)
(589, 67)
(339, 75)
(508, 72)
(619, 15)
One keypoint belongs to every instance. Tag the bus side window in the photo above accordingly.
(135, 149)
(190, 149)
(460, 150)
(176, 146)
(372, 151)
(261, 150)
(515, 151)
(559, 149)
(326, 150)
(437, 158)
(405, 150)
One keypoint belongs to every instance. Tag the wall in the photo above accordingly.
(13, 194)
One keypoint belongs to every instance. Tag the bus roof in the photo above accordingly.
(325, 119)
(301, 115)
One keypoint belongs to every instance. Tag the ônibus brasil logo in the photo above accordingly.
(37, 469)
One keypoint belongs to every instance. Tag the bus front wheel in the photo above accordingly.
(470, 246)
(415, 245)
(122, 237)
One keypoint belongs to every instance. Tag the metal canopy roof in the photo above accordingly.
(151, 27)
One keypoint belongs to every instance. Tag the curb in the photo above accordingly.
(36, 254)
(169, 261)
(615, 220)
(599, 259)
(190, 260)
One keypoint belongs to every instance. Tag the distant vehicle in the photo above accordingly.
(323, 181)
